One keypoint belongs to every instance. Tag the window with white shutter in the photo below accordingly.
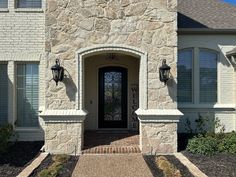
(3, 3)
(3, 94)
(208, 76)
(185, 70)
(29, 3)
(27, 95)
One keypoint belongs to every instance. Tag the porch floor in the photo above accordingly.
(111, 142)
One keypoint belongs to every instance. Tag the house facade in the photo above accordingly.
(111, 52)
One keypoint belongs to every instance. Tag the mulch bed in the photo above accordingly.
(69, 167)
(67, 170)
(18, 156)
(156, 172)
(45, 163)
(183, 139)
(220, 165)
(150, 160)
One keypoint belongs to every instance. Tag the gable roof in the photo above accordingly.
(211, 14)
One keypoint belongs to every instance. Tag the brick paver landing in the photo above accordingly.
(132, 165)
(111, 142)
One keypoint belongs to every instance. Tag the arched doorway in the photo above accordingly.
(97, 64)
(111, 92)
(99, 49)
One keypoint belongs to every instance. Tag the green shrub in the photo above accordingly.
(203, 145)
(6, 132)
(213, 143)
(228, 143)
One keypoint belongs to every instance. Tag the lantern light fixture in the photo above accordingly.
(57, 72)
(164, 72)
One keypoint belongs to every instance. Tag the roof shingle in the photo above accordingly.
(213, 14)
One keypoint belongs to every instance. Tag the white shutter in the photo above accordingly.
(208, 76)
(185, 70)
(29, 3)
(3, 94)
(27, 95)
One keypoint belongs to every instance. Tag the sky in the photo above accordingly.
(231, 1)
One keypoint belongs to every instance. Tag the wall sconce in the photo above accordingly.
(164, 72)
(57, 72)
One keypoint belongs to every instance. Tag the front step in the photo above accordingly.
(112, 150)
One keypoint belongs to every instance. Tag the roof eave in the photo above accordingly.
(231, 53)
(206, 31)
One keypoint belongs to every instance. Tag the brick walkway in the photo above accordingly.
(111, 142)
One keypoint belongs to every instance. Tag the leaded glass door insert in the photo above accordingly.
(113, 97)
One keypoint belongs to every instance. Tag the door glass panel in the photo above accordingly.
(112, 96)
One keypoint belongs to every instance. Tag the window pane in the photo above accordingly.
(184, 68)
(3, 94)
(208, 76)
(20, 70)
(3, 3)
(27, 95)
(29, 4)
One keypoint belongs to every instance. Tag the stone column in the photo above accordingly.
(158, 130)
(64, 131)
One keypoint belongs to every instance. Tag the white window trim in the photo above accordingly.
(29, 10)
(4, 10)
(196, 81)
(207, 106)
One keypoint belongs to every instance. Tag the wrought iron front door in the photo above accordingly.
(112, 97)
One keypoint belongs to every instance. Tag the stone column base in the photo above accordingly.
(64, 131)
(158, 130)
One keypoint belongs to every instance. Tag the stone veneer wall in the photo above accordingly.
(149, 25)
(64, 137)
(71, 25)
(158, 130)
(158, 137)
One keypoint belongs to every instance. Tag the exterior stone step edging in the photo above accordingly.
(30, 168)
(113, 150)
(192, 168)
